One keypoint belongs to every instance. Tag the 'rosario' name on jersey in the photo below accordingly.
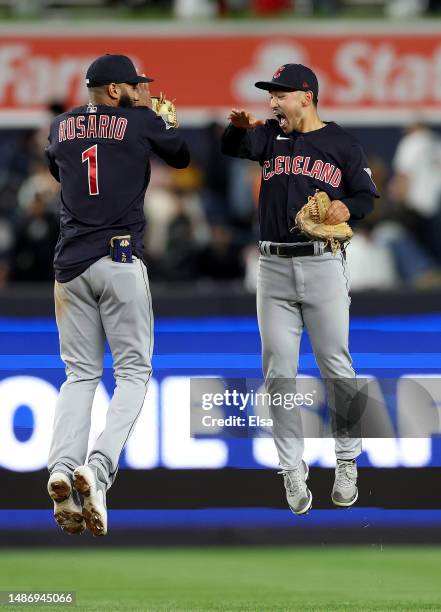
(92, 126)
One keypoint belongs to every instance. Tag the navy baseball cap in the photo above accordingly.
(291, 77)
(113, 69)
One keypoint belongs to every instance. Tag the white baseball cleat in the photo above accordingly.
(298, 495)
(94, 499)
(345, 491)
(67, 508)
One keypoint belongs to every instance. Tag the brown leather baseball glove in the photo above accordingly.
(165, 109)
(310, 217)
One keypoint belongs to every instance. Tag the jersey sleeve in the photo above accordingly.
(53, 167)
(167, 142)
(360, 185)
(245, 143)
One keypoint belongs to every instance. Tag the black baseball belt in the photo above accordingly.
(296, 249)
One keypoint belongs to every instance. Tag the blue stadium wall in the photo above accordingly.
(168, 481)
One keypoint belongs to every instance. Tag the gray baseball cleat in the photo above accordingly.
(67, 505)
(344, 491)
(86, 482)
(298, 495)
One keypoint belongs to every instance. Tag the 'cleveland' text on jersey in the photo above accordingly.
(323, 171)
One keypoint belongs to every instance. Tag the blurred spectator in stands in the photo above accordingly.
(327, 7)
(158, 209)
(39, 182)
(270, 7)
(221, 258)
(318, 7)
(251, 260)
(176, 224)
(36, 225)
(406, 8)
(189, 9)
(6, 249)
(135, 4)
(16, 158)
(215, 166)
(434, 6)
(40, 138)
(416, 186)
(36, 237)
(8, 201)
(371, 263)
(250, 253)
(230, 7)
(412, 262)
(27, 8)
(180, 259)
(382, 253)
(244, 185)
(172, 195)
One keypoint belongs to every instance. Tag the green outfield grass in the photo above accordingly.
(251, 579)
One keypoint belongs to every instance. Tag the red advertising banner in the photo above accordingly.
(364, 76)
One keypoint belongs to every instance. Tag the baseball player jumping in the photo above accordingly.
(301, 282)
(100, 155)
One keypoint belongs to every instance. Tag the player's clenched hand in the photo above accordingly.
(243, 119)
(337, 213)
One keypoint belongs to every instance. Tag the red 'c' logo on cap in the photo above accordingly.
(278, 71)
(305, 84)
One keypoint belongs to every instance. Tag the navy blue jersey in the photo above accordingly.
(100, 155)
(295, 165)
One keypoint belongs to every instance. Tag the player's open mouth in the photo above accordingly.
(283, 121)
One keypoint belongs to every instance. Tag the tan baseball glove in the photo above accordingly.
(310, 217)
(165, 109)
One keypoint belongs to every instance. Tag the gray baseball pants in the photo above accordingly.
(293, 293)
(109, 300)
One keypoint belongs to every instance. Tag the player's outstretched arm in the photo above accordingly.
(167, 142)
(244, 119)
(242, 139)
